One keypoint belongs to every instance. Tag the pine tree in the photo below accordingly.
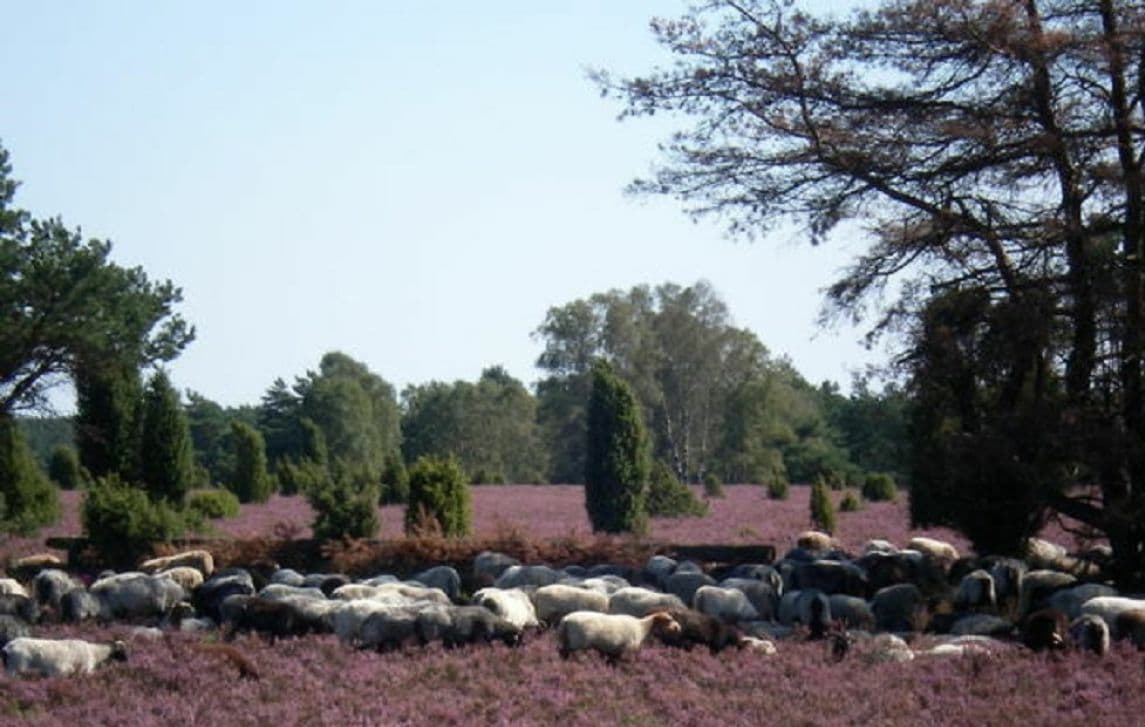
(108, 397)
(617, 456)
(166, 454)
(822, 511)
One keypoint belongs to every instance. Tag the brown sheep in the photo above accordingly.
(1045, 629)
(1131, 625)
(700, 628)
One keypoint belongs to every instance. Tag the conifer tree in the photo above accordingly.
(617, 456)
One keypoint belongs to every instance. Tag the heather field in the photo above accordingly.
(319, 681)
(316, 680)
(744, 516)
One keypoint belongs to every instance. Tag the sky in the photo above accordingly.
(414, 184)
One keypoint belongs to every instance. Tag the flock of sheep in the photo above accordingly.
(872, 605)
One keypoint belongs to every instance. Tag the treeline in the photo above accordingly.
(716, 405)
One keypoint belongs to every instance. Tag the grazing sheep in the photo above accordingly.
(613, 635)
(1070, 600)
(524, 576)
(283, 592)
(12, 627)
(879, 546)
(938, 551)
(58, 657)
(274, 619)
(606, 584)
(639, 602)
(221, 585)
(287, 577)
(762, 595)
(976, 592)
(200, 560)
(811, 608)
(854, 612)
(729, 605)
(1007, 574)
(50, 585)
(1038, 586)
(1089, 632)
(700, 628)
(394, 593)
(26, 568)
(232, 656)
(488, 565)
(982, 624)
(830, 576)
(1130, 625)
(759, 572)
(554, 602)
(187, 577)
(684, 583)
(137, 595)
(1044, 555)
(899, 608)
(326, 582)
(1110, 607)
(21, 607)
(79, 605)
(459, 625)
(391, 628)
(512, 604)
(346, 617)
(444, 578)
(1045, 629)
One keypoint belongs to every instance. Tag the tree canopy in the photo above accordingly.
(994, 149)
(65, 302)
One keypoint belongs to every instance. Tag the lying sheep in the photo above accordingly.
(554, 602)
(639, 602)
(613, 635)
(200, 560)
(512, 604)
(58, 657)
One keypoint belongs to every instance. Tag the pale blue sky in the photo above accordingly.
(412, 183)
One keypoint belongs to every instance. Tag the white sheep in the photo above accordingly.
(613, 635)
(284, 592)
(1070, 600)
(511, 604)
(639, 602)
(395, 593)
(200, 560)
(554, 602)
(523, 576)
(729, 605)
(346, 617)
(814, 540)
(187, 577)
(939, 551)
(58, 657)
(487, 565)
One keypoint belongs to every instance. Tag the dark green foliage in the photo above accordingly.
(871, 427)
(249, 481)
(438, 497)
(300, 477)
(278, 421)
(65, 303)
(879, 487)
(483, 476)
(120, 520)
(668, 497)
(778, 488)
(617, 456)
(713, 485)
(822, 511)
(850, 503)
(28, 499)
(214, 504)
(313, 442)
(210, 426)
(166, 455)
(44, 433)
(395, 480)
(344, 507)
(64, 468)
(109, 396)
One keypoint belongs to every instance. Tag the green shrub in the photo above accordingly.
(301, 477)
(616, 456)
(120, 520)
(64, 468)
(778, 489)
(822, 511)
(482, 476)
(438, 497)
(849, 503)
(713, 485)
(342, 510)
(28, 499)
(249, 481)
(214, 504)
(879, 487)
(395, 480)
(668, 497)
